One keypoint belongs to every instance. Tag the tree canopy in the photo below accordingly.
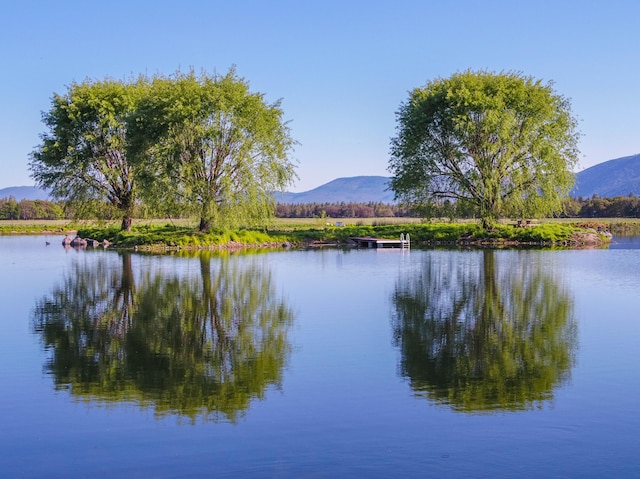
(505, 144)
(202, 145)
(83, 157)
(212, 148)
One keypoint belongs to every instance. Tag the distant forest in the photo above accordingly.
(343, 210)
(10, 209)
(594, 207)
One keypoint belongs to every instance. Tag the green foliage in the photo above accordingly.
(211, 148)
(370, 209)
(619, 207)
(545, 233)
(83, 156)
(200, 146)
(175, 236)
(10, 209)
(448, 233)
(503, 144)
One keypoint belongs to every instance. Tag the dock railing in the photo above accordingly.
(405, 241)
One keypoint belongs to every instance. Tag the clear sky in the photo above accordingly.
(341, 68)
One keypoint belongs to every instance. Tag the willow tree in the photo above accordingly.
(83, 156)
(212, 148)
(504, 144)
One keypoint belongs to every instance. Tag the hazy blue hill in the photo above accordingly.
(357, 189)
(618, 177)
(24, 193)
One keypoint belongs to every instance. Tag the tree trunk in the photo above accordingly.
(206, 215)
(126, 223)
(205, 225)
(127, 208)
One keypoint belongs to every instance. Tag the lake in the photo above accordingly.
(322, 363)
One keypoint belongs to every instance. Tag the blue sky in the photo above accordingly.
(341, 68)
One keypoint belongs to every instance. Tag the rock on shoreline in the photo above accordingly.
(78, 242)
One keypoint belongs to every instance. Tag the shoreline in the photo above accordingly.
(170, 238)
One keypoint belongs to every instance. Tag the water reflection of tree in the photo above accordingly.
(495, 334)
(199, 345)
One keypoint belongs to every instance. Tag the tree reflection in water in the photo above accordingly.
(484, 330)
(199, 345)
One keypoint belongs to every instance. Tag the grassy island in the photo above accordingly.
(156, 236)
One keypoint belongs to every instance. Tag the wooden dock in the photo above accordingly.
(371, 242)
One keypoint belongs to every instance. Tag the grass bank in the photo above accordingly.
(36, 227)
(155, 237)
(158, 235)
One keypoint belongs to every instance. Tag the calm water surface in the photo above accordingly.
(320, 364)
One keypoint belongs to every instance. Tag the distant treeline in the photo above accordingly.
(10, 209)
(342, 210)
(595, 207)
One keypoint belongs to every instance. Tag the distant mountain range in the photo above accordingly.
(357, 189)
(612, 178)
(619, 177)
(20, 193)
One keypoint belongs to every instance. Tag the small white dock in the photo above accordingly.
(371, 242)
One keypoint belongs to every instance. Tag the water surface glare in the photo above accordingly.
(323, 364)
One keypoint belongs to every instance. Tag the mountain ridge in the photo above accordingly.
(618, 177)
(20, 193)
(354, 189)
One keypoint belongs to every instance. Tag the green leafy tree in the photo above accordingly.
(83, 156)
(490, 331)
(571, 207)
(9, 209)
(212, 149)
(502, 143)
